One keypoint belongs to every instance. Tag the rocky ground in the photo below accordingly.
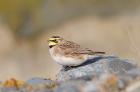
(101, 74)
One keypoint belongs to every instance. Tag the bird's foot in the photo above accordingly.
(66, 68)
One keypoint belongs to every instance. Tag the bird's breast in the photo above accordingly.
(67, 60)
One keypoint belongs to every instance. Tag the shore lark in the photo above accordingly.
(68, 53)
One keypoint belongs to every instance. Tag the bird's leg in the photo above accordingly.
(66, 68)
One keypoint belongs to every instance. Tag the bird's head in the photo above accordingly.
(54, 40)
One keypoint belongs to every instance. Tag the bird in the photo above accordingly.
(69, 53)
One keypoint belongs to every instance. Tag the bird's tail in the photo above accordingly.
(95, 52)
(98, 52)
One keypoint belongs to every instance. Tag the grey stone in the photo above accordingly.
(41, 84)
(133, 87)
(104, 83)
(91, 87)
(97, 66)
(40, 81)
(71, 86)
(4, 89)
(134, 72)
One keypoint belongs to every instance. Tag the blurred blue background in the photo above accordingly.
(25, 25)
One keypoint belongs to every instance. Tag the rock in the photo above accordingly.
(71, 86)
(31, 85)
(134, 72)
(105, 83)
(13, 85)
(96, 67)
(4, 89)
(41, 85)
(100, 74)
(41, 81)
(133, 87)
(128, 78)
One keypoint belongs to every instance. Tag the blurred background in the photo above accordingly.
(112, 26)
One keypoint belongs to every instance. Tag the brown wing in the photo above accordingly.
(89, 52)
(71, 48)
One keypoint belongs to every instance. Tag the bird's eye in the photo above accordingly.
(54, 41)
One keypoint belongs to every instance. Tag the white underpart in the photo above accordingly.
(93, 56)
(68, 61)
